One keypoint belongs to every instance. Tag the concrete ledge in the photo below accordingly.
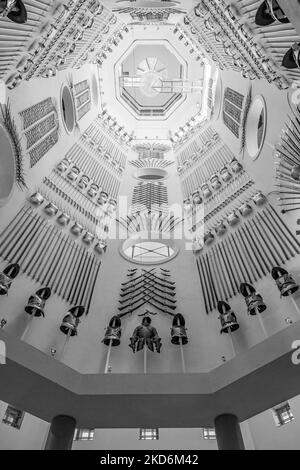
(246, 385)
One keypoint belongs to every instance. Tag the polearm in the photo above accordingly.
(145, 358)
(108, 357)
(15, 221)
(84, 277)
(144, 280)
(139, 277)
(25, 235)
(88, 275)
(19, 233)
(131, 310)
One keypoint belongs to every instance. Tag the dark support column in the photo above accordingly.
(228, 432)
(61, 433)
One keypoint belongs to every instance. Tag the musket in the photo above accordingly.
(151, 284)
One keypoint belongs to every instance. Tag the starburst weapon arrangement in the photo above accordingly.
(143, 289)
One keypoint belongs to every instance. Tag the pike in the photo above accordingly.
(146, 296)
(236, 266)
(282, 243)
(230, 259)
(27, 221)
(36, 229)
(88, 274)
(287, 229)
(81, 276)
(58, 262)
(39, 268)
(260, 248)
(14, 222)
(212, 289)
(45, 238)
(139, 277)
(236, 244)
(145, 280)
(149, 283)
(202, 288)
(92, 286)
(164, 274)
(219, 294)
(217, 268)
(54, 257)
(76, 277)
(267, 244)
(69, 280)
(151, 289)
(257, 261)
(224, 273)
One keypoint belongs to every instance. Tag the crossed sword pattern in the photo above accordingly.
(148, 288)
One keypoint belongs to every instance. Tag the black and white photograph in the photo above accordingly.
(149, 229)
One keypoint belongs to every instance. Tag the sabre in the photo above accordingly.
(236, 244)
